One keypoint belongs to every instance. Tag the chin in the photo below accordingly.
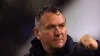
(59, 46)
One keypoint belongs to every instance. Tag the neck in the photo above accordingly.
(49, 51)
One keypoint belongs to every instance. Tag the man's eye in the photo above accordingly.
(62, 25)
(50, 27)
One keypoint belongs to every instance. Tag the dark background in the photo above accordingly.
(17, 22)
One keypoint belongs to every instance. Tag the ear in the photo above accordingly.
(36, 33)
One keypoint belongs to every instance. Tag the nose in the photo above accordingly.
(57, 32)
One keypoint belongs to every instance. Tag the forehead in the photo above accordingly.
(52, 18)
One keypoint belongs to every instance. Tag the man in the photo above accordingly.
(52, 38)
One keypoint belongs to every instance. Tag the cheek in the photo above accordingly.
(64, 31)
(48, 35)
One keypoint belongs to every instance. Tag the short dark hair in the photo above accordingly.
(47, 8)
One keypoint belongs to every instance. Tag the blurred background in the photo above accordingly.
(17, 22)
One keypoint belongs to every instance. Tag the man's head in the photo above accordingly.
(50, 27)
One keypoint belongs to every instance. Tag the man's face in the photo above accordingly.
(52, 30)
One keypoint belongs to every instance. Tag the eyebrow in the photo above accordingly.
(55, 25)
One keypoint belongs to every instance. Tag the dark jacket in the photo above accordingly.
(70, 49)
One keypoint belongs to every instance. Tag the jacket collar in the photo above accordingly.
(38, 50)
